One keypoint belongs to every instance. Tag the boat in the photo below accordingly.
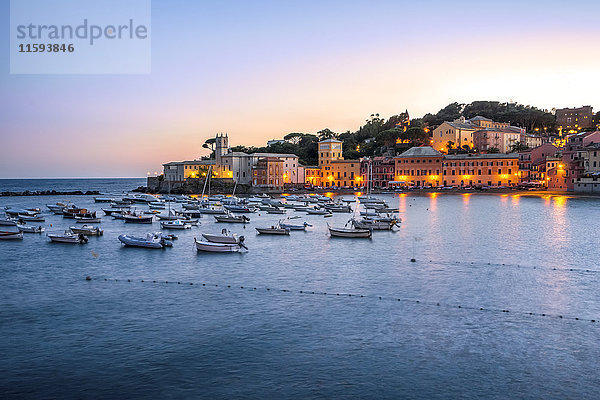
(156, 206)
(368, 213)
(103, 199)
(87, 230)
(110, 211)
(240, 219)
(338, 208)
(176, 224)
(294, 227)
(56, 208)
(213, 247)
(138, 219)
(86, 220)
(151, 241)
(300, 207)
(11, 235)
(8, 222)
(168, 217)
(214, 211)
(318, 211)
(273, 230)
(225, 237)
(30, 228)
(373, 224)
(349, 232)
(276, 210)
(240, 209)
(68, 237)
(15, 212)
(31, 218)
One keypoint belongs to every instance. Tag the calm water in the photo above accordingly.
(117, 185)
(64, 337)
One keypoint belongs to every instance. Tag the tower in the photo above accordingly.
(330, 150)
(221, 147)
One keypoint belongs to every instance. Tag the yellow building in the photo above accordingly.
(333, 170)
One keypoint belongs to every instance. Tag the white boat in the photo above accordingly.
(68, 237)
(176, 224)
(11, 235)
(87, 220)
(212, 247)
(276, 210)
(15, 212)
(239, 219)
(110, 211)
(373, 224)
(349, 232)
(214, 211)
(240, 209)
(30, 228)
(8, 222)
(55, 208)
(273, 230)
(225, 237)
(338, 208)
(103, 199)
(139, 219)
(294, 227)
(87, 230)
(151, 241)
(31, 218)
(318, 211)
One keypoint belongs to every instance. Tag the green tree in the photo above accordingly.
(518, 147)
(493, 150)
(326, 134)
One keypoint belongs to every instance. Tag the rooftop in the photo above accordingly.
(424, 151)
(480, 156)
(480, 118)
(273, 155)
(193, 162)
(330, 141)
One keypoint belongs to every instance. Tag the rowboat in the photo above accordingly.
(177, 224)
(225, 237)
(87, 230)
(11, 235)
(349, 232)
(30, 229)
(273, 230)
(151, 241)
(212, 247)
(68, 237)
(86, 220)
(138, 219)
(294, 227)
(240, 219)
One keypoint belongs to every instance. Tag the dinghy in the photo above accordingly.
(177, 224)
(68, 237)
(225, 237)
(151, 241)
(294, 227)
(30, 229)
(8, 222)
(30, 218)
(212, 247)
(239, 219)
(11, 235)
(87, 220)
(87, 230)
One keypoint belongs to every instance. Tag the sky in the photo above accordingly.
(258, 70)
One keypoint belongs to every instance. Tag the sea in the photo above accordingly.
(473, 296)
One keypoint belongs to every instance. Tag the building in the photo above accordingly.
(573, 120)
(418, 166)
(582, 139)
(487, 123)
(481, 169)
(459, 132)
(179, 171)
(312, 175)
(532, 163)
(268, 172)
(503, 139)
(531, 141)
(334, 170)
(380, 170)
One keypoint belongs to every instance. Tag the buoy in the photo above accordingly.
(88, 278)
(413, 260)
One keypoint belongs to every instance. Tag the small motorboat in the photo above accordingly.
(8, 222)
(374, 224)
(338, 208)
(151, 241)
(88, 220)
(73, 211)
(349, 232)
(294, 227)
(138, 218)
(30, 218)
(56, 208)
(30, 229)
(168, 217)
(214, 211)
(110, 211)
(276, 210)
(103, 199)
(68, 237)
(213, 247)
(15, 212)
(240, 209)
(273, 230)
(225, 237)
(239, 219)
(11, 235)
(176, 224)
(317, 211)
(87, 230)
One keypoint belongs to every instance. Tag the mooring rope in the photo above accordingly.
(348, 295)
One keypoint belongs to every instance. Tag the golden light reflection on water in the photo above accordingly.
(402, 202)
(433, 199)
(466, 197)
(515, 199)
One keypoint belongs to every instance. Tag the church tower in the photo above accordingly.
(221, 147)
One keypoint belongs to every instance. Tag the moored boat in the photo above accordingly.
(11, 235)
(213, 247)
(273, 230)
(68, 237)
(349, 232)
(87, 220)
(138, 219)
(31, 218)
(224, 237)
(176, 224)
(294, 227)
(239, 219)
(151, 241)
(30, 228)
(8, 222)
(87, 230)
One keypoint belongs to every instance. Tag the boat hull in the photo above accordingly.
(212, 247)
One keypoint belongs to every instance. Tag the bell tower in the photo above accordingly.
(221, 147)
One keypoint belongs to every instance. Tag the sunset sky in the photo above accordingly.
(260, 69)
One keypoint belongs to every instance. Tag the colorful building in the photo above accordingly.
(378, 169)
(418, 166)
(333, 169)
(481, 169)
(503, 139)
(268, 173)
(573, 120)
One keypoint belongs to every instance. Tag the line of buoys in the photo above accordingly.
(397, 299)
(569, 269)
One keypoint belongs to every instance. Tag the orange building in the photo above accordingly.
(268, 172)
(481, 169)
(333, 170)
(418, 166)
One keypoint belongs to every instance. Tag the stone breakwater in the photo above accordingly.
(51, 193)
